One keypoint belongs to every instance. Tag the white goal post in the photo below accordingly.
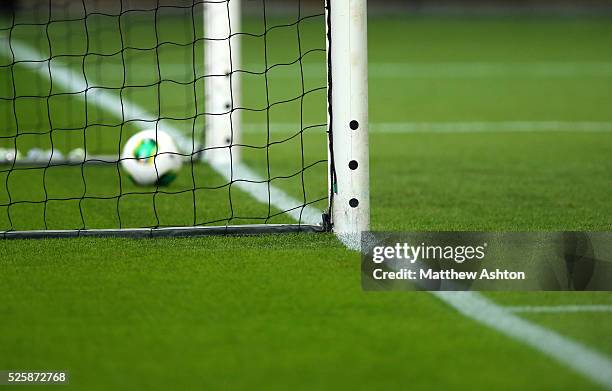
(347, 70)
(222, 84)
(348, 115)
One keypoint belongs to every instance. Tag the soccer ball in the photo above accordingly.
(150, 158)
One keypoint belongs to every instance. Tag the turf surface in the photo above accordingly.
(288, 311)
(267, 312)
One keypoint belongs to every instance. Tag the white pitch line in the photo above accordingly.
(467, 70)
(588, 362)
(456, 69)
(409, 70)
(76, 84)
(243, 177)
(561, 308)
(492, 127)
(450, 127)
(251, 182)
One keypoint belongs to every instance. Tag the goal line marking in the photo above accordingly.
(449, 127)
(76, 85)
(589, 363)
(561, 308)
(492, 127)
(414, 70)
(547, 69)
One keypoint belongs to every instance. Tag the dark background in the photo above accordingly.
(375, 6)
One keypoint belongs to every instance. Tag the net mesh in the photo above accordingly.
(79, 78)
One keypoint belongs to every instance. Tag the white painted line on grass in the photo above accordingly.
(492, 127)
(244, 178)
(251, 182)
(74, 83)
(590, 363)
(403, 70)
(487, 69)
(560, 308)
(449, 127)
(456, 70)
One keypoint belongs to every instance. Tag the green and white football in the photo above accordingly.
(150, 157)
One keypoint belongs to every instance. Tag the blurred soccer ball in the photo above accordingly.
(151, 157)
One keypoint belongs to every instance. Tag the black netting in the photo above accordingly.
(79, 78)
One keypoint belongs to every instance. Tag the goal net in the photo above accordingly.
(248, 94)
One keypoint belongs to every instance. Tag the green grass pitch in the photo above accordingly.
(287, 311)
